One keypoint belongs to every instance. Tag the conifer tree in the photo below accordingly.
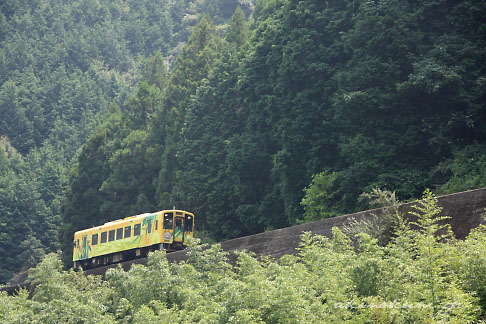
(237, 32)
(192, 66)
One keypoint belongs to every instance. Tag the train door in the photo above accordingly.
(179, 229)
(84, 248)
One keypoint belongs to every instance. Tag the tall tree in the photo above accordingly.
(212, 119)
(192, 65)
(82, 208)
(237, 32)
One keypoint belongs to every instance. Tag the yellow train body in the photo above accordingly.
(132, 237)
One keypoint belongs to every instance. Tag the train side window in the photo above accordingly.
(85, 241)
(136, 230)
(156, 224)
(103, 237)
(149, 227)
(119, 233)
(128, 231)
(94, 239)
(188, 223)
(168, 220)
(111, 235)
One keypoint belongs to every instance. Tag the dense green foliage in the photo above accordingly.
(417, 277)
(63, 64)
(333, 97)
(258, 124)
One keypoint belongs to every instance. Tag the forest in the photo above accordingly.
(253, 115)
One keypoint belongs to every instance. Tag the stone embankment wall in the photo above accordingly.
(466, 210)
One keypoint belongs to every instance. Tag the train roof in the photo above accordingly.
(129, 219)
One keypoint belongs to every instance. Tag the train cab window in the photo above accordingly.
(119, 233)
(149, 227)
(168, 220)
(103, 237)
(156, 224)
(94, 239)
(128, 231)
(136, 230)
(188, 223)
(111, 235)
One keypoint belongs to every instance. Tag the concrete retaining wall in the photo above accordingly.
(465, 209)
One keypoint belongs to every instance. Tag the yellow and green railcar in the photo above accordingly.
(132, 237)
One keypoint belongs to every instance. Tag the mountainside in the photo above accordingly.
(284, 116)
(336, 98)
(63, 63)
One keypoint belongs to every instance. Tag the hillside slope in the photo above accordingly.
(63, 65)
